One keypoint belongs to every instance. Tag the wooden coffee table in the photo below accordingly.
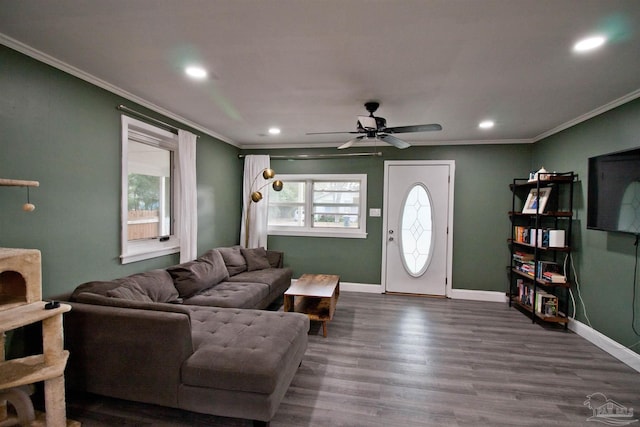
(315, 295)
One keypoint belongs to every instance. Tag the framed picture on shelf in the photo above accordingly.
(536, 202)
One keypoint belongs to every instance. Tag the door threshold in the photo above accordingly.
(407, 294)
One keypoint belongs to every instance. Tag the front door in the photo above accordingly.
(418, 212)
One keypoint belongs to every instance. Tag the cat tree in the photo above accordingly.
(20, 305)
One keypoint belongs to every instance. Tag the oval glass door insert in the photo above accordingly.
(416, 236)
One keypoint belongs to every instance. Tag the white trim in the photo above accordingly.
(614, 348)
(83, 75)
(385, 198)
(309, 230)
(148, 254)
(133, 251)
(361, 287)
(591, 114)
(477, 295)
(318, 232)
(333, 144)
(76, 72)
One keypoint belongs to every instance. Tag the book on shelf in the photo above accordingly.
(541, 237)
(542, 302)
(554, 277)
(522, 256)
(546, 303)
(547, 267)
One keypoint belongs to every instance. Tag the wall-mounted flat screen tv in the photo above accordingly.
(613, 202)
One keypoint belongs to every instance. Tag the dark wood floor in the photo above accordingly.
(411, 361)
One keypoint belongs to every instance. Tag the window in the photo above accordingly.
(319, 205)
(149, 191)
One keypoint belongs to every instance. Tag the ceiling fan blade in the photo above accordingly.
(329, 133)
(396, 142)
(415, 128)
(350, 142)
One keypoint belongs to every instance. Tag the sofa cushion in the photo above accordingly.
(95, 299)
(156, 284)
(131, 292)
(243, 350)
(278, 279)
(232, 295)
(233, 259)
(256, 258)
(100, 287)
(194, 276)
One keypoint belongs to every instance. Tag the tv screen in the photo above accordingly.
(613, 202)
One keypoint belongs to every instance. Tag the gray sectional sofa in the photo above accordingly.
(191, 336)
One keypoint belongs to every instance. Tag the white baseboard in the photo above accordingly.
(475, 295)
(361, 287)
(617, 350)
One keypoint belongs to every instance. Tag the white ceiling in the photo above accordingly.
(309, 66)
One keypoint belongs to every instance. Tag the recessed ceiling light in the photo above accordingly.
(487, 124)
(274, 131)
(196, 72)
(589, 43)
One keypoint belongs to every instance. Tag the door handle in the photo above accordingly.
(391, 239)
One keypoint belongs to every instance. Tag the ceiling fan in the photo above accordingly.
(373, 128)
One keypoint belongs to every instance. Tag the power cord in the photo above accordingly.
(584, 308)
(635, 285)
(575, 279)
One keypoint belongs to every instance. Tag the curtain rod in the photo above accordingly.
(321, 156)
(151, 119)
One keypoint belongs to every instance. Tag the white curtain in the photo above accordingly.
(257, 224)
(188, 199)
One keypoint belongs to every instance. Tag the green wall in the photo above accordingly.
(604, 261)
(65, 133)
(481, 202)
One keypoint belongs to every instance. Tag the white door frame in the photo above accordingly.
(452, 174)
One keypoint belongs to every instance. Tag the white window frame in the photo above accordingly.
(308, 230)
(149, 248)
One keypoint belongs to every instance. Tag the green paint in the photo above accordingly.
(65, 133)
(481, 202)
(604, 261)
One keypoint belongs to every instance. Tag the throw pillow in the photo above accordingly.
(233, 259)
(256, 258)
(130, 291)
(195, 276)
(100, 287)
(156, 284)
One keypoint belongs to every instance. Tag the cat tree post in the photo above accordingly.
(20, 305)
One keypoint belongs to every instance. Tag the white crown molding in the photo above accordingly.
(591, 114)
(76, 72)
(275, 146)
